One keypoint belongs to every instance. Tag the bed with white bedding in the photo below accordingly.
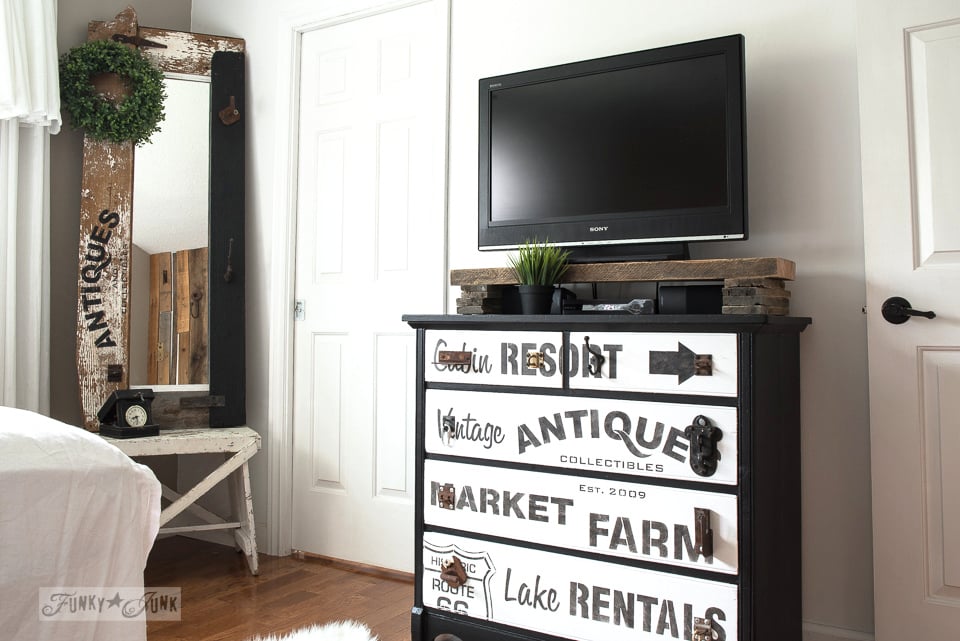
(75, 513)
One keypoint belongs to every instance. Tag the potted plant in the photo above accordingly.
(538, 268)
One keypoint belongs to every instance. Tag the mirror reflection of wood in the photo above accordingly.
(177, 324)
(105, 256)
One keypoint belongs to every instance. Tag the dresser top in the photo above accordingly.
(613, 322)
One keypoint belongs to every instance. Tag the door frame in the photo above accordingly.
(279, 433)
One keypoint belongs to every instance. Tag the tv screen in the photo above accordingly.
(616, 156)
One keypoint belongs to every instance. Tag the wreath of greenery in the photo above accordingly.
(132, 118)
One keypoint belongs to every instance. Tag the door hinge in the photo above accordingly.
(299, 310)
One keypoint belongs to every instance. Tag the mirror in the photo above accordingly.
(201, 272)
(168, 291)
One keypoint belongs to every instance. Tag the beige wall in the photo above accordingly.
(66, 156)
(804, 202)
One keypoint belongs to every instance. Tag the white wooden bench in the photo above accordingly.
(238, 444)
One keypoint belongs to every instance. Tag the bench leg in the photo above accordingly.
(245, 535)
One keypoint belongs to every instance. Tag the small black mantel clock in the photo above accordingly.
(127, 413)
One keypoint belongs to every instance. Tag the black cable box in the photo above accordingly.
(690, 299)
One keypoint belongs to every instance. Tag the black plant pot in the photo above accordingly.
(535, 299)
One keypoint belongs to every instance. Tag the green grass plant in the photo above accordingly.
(539, 263)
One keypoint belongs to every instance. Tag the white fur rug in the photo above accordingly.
(336, 631)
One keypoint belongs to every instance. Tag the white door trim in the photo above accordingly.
(279, 433)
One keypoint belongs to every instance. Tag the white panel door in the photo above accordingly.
(370, 246)
(909, 67)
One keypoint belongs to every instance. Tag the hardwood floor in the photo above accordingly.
(221, 601)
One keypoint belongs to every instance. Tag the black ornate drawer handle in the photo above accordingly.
(704, 454)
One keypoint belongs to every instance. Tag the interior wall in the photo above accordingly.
(804, 204)
(804, 181)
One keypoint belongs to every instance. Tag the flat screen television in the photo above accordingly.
(627, 157)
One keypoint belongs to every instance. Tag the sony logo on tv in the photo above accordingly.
(599, 228)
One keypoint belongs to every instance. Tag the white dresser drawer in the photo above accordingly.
(702, 364)
(493, 358)
(601, 435)
(571, 597)
(629, 520)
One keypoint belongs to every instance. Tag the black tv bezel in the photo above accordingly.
(634, 235)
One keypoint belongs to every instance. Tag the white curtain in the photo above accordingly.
(29, 113)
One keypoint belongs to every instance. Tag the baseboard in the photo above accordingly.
(354, 566)
(820, 632)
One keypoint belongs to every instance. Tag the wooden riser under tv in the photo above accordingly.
(750, 285)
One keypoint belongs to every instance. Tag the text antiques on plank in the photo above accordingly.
(572, 597)
(96, 261)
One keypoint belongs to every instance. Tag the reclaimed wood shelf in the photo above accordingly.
(751, 285)
(644, 271)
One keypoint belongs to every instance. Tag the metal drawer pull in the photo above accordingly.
(703, 365)
(535, 360)
(704, 454)
(703, 629)
(449, 357)
(595, 364)
(449, 430)
(453, 573)
(446, 496)
(703, 538)
(683, 363)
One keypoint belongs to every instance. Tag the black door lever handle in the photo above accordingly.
(897, 310)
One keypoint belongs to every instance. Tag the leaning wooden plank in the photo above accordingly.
(106, 196)
(187, 52)
(103, 283)
(174, 51)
